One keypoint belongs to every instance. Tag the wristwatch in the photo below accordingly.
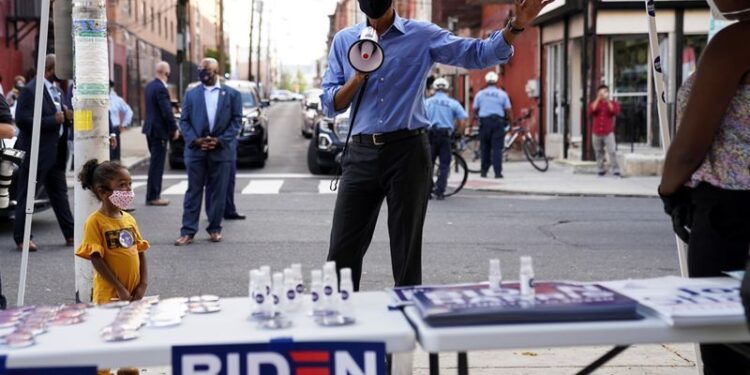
(512, 29)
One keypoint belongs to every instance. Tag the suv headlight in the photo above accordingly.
(250, 125)
(341, 127)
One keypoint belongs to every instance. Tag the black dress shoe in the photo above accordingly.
(235, 216)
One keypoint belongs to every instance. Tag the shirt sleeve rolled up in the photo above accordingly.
(333, 79)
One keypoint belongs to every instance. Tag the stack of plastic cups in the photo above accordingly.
(346, 290)
(300, 281)
(330, 286)
(291, 302)
(316, 293)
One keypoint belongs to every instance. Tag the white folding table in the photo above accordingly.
(621, 334)
(80, 345)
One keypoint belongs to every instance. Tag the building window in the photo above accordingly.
(152, 20)
(554, 93)
(171, 29)
(130, 8)
(628, 60)
(159, 17)
(143, 12)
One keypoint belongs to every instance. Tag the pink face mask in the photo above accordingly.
(122, 199)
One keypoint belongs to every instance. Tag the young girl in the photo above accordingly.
(111, 239)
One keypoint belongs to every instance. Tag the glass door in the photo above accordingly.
(554, 97)
(628, 64)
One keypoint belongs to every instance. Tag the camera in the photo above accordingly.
(9, 160)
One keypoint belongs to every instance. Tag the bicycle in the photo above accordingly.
(458, 171)
(533, 151)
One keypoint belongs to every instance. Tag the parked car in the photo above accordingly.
(311, 112)
(329, 136)
(297, 97)
(252, 146)
(41, 200)
(281, 96)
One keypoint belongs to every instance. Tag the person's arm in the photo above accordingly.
(186, 128)
(7, 130)
(593, 107)
(614, 108)
(140, 290)
(460, 114)
(508, 109)
(235, 123)
(338, 92)
(103, 270)
(165, 108)
(128, 120)
(719, 74)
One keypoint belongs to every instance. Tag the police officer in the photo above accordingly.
(389, 156)
(492, 106)
(443, 112)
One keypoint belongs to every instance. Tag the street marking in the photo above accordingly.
(324, 187)
(263, 187)
(137, 184)
(179, 188)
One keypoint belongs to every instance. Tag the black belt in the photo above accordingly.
(381, 139)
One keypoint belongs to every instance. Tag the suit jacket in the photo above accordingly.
(160, 121)
(194, 124)
(53, 148)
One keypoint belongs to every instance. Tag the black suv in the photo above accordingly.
(329, 136)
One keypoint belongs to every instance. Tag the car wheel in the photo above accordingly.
(312, 158)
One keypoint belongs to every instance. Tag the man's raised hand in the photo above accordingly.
(528, 10)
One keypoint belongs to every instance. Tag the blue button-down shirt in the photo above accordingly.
(491, 101)
(443, 111)
(211, 94)
(118, 107)
(394, 98)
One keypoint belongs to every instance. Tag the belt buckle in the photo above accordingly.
(375, 140)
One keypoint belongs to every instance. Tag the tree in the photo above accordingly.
(286, 81)
(301, 81)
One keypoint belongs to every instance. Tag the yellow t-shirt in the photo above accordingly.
(118, 242)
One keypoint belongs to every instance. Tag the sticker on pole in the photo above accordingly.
(651, 8)
(282, 358)
(657, 64)
(83, 121)
(91, 59)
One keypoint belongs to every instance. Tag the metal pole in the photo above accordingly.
(250, 54)
(34, 159)
(91, 124)
(260, 41)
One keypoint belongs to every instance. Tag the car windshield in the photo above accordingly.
(248, 99)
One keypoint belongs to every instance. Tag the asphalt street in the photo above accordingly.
(289, 220)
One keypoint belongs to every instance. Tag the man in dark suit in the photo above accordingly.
(159, 127)
(53, 152)
(210, 120)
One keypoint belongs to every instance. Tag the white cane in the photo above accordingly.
(666, 138)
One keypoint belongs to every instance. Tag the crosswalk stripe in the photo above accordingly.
(263, 187)
(177, 189)
(324, 187)
(137, 184)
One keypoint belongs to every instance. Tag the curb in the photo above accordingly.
(560, 194)
(138, 163)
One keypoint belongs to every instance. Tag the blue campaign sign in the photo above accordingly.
(281, 358)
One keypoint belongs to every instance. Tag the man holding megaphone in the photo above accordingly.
(386, 61)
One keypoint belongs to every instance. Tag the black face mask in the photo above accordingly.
(375, 8)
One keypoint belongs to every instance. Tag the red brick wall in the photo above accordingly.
(521, 68)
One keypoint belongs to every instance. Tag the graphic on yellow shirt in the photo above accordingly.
(118, 242)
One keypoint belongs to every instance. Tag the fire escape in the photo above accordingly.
(23, 21)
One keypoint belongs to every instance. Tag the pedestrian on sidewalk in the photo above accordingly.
(159, 127)
(56, 118)
(121, 115)
(443, 112)
(210, 121)
(706, 182)
(603, 112)
(492, 107)
(389, 156)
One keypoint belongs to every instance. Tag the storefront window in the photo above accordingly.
(629, 58)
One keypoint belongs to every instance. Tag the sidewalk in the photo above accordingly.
(133, 148)
(521, 178)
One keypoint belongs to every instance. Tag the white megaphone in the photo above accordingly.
(366, 55)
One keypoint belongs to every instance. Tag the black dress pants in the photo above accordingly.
(158, 149)
(398, 172)
(719, 241)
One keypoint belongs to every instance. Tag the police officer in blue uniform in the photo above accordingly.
(443, 112)
(492, 106)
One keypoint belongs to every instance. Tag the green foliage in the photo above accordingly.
(214, 54)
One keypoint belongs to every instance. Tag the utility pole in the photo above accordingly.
(91, 123)
(221, 54)
(260, 31)
(250, 54)
(182, 46)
